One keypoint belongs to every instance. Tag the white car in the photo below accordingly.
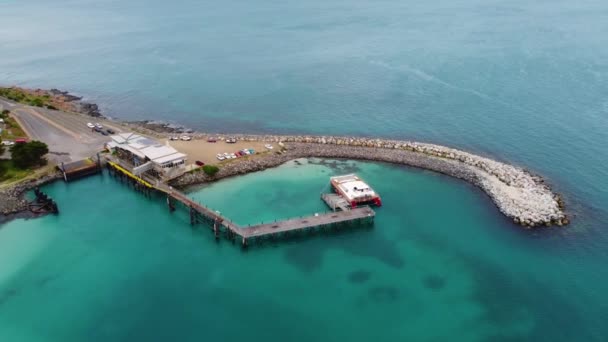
(98, 125)
(268, 146)
(220, 156)
(185, 138)
(232, 156)
(90, 125)
(8, 143)
(174, 138)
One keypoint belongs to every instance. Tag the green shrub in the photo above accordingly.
(210, 170)
(37, 102)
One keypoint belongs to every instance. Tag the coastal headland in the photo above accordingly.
(519, 194)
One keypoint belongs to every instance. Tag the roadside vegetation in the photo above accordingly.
(11, 129)
(10, 173)
(18, 95)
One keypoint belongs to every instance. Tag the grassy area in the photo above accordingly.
(9, 173)
(11, 130)
(21, 96)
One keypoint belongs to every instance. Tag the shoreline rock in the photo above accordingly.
(63, 100)
(518, 194)
(13, 202)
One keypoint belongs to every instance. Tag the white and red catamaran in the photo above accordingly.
(355, 191)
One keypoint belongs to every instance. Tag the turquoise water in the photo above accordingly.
(524, 82)
(439, 263)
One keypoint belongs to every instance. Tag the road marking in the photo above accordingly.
(54, 124)
(23, 127)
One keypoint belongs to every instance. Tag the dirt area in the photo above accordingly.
(207, 152)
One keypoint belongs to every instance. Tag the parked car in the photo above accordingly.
(220, 156)
(110, 131)
(8, 143)
(231, 140)
(90, 125)
(199, 163)
(98, 125)
(268, 146)
(20, 141)
(185, 138)
(97, 129)
(211, 140)
(174, 138)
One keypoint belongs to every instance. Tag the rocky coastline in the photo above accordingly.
(518, 194)
(53, 99)
(13, 201)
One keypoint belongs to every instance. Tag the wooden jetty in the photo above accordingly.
(220, 224)
(303, 223)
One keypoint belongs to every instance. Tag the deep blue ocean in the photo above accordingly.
(524, 82)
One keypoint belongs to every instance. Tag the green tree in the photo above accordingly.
(29, 154)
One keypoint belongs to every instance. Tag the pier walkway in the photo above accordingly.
(218, 222)
(319, 220)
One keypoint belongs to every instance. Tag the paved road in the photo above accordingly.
(66, 134)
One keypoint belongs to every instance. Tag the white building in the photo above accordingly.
(145, 154)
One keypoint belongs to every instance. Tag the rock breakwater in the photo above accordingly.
(517, 193)
(12, 199)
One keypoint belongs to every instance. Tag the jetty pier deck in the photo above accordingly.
(200, 213)
(303, 223)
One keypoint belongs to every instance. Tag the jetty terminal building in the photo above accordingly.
(145, 155)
